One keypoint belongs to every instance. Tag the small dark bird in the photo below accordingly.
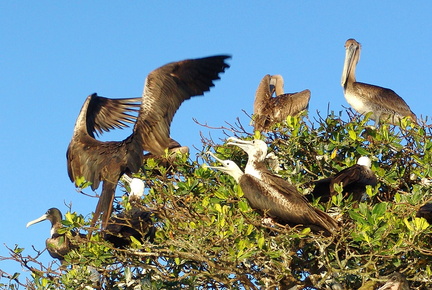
(385, 104)
(134, 222)
(353, 179)
(165, 90)
(278, 200)
(396, 281)
(425, 211)
(58, 245)
(270, 110)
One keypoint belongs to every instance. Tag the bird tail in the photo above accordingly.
(105, 204)
(327, 222)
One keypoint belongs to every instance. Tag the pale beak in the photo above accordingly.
(42, 218)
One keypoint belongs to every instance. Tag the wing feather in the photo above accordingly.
(105, 114)
(165, 89)
(386, 98)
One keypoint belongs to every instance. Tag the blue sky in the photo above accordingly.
(53, 54)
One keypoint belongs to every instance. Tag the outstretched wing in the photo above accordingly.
(104, 114)
(164, 91)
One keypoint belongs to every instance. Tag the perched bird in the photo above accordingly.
(385, 104)
(278, 199)
(135, 222)
(164, 91)
(58, 245)
(270, 110)
(353, 179)
(396, 281)
(425, 211)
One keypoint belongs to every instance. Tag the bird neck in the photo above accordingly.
(254, 168)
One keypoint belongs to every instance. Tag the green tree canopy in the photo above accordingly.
(208, 237)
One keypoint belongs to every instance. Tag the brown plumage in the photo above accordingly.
(279, 200)
(397, 281)
(385, 104)
(425, 211)
(353, 179)
(270, 110)
(58, 244)
(135, 222)
(164, 91)
(286, 192)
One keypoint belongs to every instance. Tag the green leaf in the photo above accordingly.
(362, 151)
(379, 209)
(243, 205)
(352, 134)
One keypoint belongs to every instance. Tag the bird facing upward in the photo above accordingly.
(272, 194)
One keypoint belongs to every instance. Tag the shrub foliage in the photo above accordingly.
(208, 237)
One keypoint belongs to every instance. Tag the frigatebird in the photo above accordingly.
(353, 179)
(58, 244)
(384, 104)
(269, 110)
(164, 91)
(397, 281)
(274, 195)
(135, 222)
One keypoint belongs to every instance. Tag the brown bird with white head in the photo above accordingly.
(164, 91)
(292, 207)
(353, 179)
(384, 104)
(270, 110)
(135, 222)
(281, 203)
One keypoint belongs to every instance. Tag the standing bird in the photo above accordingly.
(58, 245)
(135, 222)
(353, 179)
(385, 104)
(164, 91)
(280, 202)
(396, 281)
(270, 110)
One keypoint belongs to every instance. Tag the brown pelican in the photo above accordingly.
(353, 180)
(269, 110)
(396, 281)
(279, 202)
(164, 91)
(58, 245)
(425, 211)
(135, 222)
(385, 104)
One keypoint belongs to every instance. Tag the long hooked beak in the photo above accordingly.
(214, 156)
(218, 160)
(243, 144)
(236, 141)
(42, 218)
(348, 63)
(127, 178)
